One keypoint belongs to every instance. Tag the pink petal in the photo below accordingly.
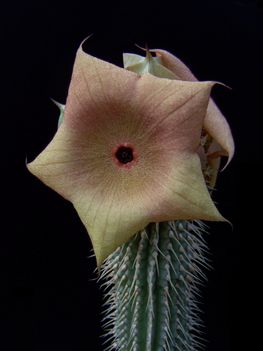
(215, 123)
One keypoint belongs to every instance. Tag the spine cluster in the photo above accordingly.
(151, 289)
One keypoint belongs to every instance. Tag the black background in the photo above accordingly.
(50, 301)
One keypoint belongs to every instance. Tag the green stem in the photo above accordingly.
(151, 289)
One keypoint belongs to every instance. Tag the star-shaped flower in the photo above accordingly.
(126, 153)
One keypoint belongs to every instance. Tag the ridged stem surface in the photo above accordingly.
(151, 285)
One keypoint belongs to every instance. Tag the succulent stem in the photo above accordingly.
(151, 289)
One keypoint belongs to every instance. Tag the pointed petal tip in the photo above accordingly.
(212, 83)
(84, 40)
(223, 219)
(58, 104)
(28, 165)
(31, 168)
(80, 50)
(230, 223)
(26, 162)
(216, 216)
(227, 163)
(230, 154)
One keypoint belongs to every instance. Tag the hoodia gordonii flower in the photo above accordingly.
(126, 153)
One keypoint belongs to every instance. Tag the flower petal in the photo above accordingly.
(215, 123)
(185, 194)
(174, 108)
(110, 218)
(100, 88)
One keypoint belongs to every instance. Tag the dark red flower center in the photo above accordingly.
(124, 154)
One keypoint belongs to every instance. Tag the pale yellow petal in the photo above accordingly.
(110, 217)
(184, 193)
(62, 165)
